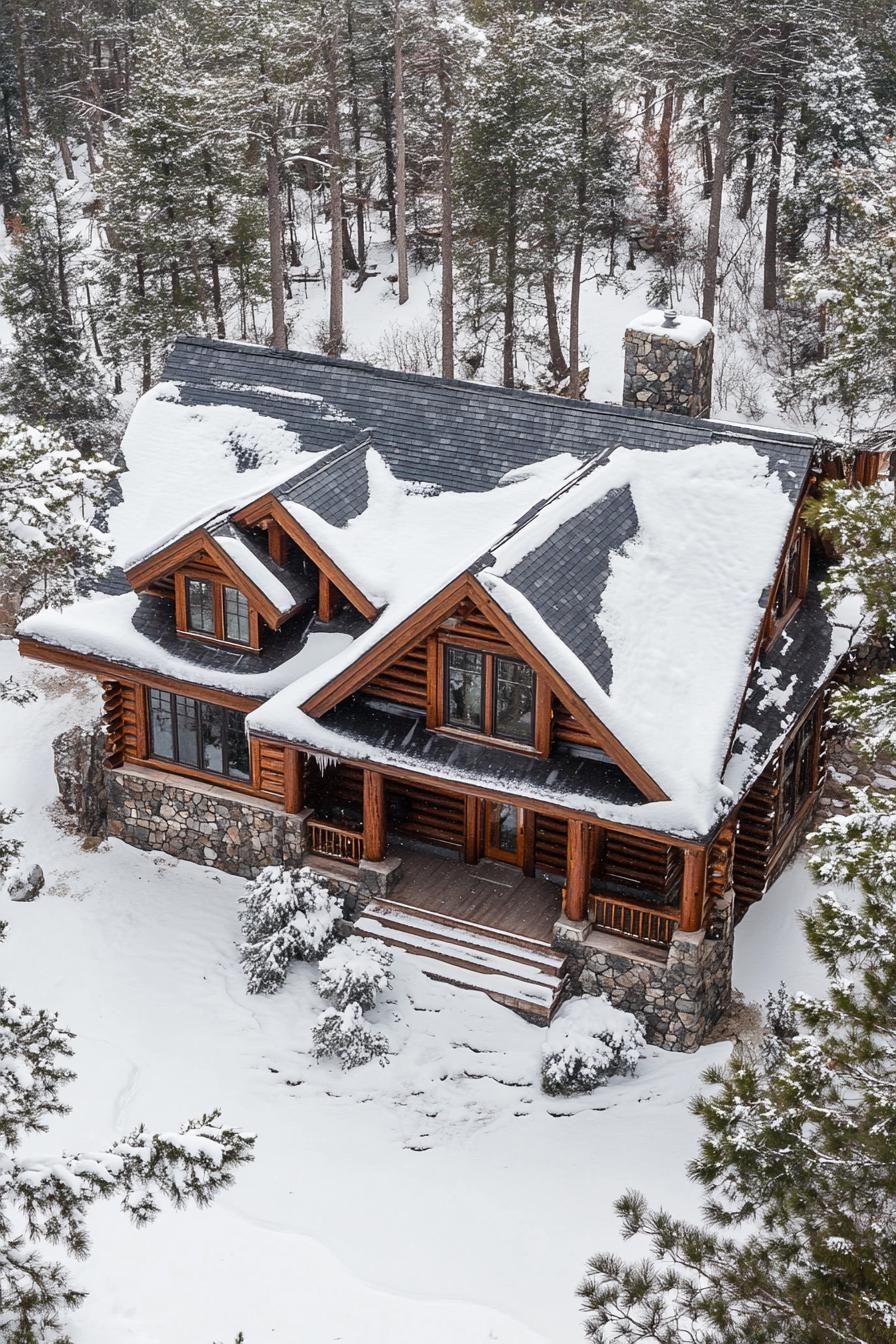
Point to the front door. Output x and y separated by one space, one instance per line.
503 833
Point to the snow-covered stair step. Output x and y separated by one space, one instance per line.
454 922
482 964
473 936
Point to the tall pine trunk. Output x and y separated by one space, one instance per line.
334 155
711 265
275 245
388 150
355 111
510 281
401 219
559 367
575 294
664 186
770 256
447 297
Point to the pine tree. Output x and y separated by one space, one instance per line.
286 915
47 493
46 1200
46 376
797 1158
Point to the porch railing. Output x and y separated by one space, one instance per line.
642 923
335 842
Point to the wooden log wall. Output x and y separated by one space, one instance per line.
268 769
637 862
567 729
405 682
550 844
424 813
756 835
124 736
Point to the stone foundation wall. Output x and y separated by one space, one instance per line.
679 1001
665 374
201 822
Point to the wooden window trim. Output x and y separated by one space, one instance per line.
782 833
190 771
437 711
219 583
777 624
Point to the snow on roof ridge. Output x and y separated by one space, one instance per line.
604 408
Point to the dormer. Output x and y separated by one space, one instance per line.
791 584
225 589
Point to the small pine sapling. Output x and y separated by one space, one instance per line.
589 1043
344 1034
285 916
356 971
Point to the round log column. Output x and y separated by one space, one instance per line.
578 870
374 816
293 782
693 890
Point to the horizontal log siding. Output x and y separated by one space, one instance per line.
567 728
756 835
120 713
634 862
405 681
469 623
427 814
550 844
268 769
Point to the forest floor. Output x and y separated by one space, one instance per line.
442 1197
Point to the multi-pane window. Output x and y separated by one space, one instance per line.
201 606
236 616
788 590
797 770
490 694
198 734
464 683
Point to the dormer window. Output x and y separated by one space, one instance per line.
201 606
490 694
208 608
236 616
792 583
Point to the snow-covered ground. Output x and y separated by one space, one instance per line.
442 1197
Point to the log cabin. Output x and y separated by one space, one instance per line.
538 686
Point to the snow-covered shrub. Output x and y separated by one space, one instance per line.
345 1034
286 915
589 1042
356 971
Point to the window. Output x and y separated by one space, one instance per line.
465 685
797 771
215 610
201 606
789 589
489 694
198 734
236 616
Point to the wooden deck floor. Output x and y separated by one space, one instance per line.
493 895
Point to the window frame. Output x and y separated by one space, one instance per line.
798 757
174 762
538 742
198 574
791 584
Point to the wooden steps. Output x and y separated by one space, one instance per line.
518 972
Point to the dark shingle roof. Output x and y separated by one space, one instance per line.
458 434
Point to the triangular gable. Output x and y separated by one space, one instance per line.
488 616
268 509
200 545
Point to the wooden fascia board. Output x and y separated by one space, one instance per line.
167 560
107 670
573 702
390 647
271 507
461 788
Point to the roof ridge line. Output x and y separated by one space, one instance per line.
535 510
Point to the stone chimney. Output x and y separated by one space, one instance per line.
668 363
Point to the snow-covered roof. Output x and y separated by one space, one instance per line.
275 583
634 550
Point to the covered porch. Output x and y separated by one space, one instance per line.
496 865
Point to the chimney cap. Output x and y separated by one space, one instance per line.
685 328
